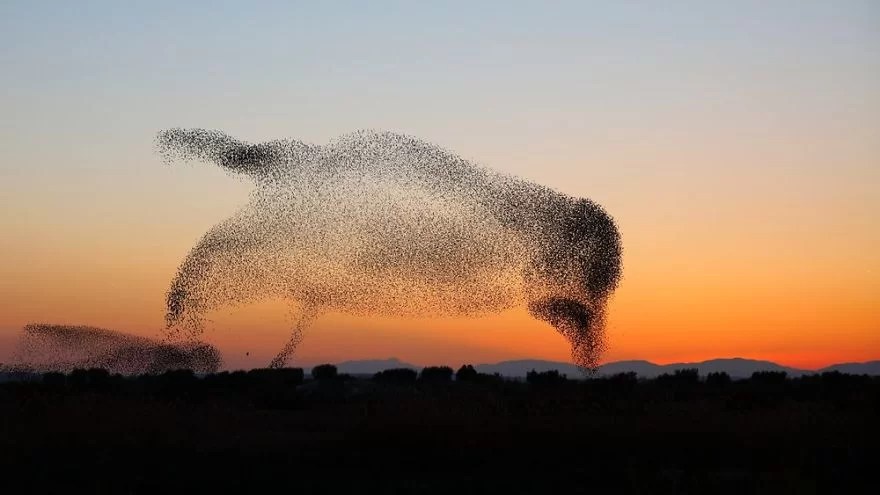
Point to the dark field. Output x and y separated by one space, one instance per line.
396 433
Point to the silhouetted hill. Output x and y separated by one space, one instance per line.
735 367
642 368
866 368
372 366
519 368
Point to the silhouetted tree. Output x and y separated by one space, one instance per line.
177 383
466 373
236 380
769 377
324 372
683 384
486 378
615 386
684 376
89 378
549 377
288 377
180 376
274 388
436 374
54 379
629 377
396 376
844 380
624 382
717 379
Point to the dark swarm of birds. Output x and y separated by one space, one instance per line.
371 224
64 348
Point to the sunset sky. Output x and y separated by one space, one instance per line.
736 144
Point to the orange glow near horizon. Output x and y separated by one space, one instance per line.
774 263
676 311
691 291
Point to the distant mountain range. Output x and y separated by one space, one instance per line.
867 368
735 367
372 366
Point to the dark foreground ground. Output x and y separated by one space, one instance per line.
259 432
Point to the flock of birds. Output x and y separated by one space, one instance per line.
372 223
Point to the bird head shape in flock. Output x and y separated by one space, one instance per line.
384 224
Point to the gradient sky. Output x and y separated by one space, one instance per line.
737 144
